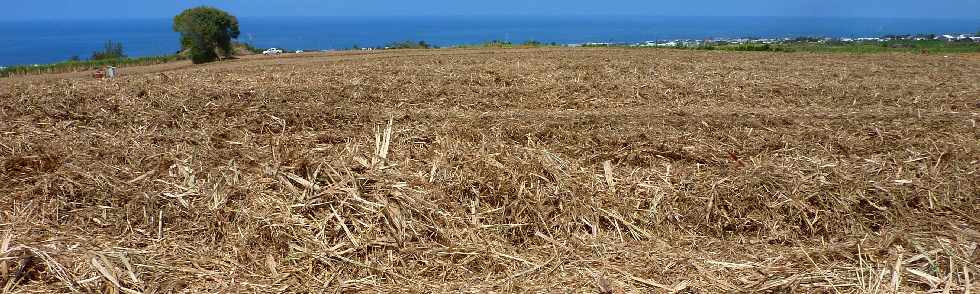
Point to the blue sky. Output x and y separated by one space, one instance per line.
86 9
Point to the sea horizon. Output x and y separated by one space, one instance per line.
49 41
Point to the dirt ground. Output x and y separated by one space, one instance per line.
497 170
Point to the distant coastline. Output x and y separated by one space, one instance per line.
44 42
923 44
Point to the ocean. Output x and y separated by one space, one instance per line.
35 42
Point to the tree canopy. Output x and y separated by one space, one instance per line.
206 31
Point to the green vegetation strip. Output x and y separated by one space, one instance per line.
924 46
70 66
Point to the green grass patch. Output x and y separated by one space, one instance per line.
746 47
908 46
508 44
81 65
923 46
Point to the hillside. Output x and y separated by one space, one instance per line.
504 170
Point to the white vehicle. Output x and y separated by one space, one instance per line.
272 51
300 51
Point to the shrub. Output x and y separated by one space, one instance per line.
112 50
497 43
249 47
408 45
532 43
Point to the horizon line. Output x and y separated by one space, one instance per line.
510 15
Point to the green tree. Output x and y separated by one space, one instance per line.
112 50
206 31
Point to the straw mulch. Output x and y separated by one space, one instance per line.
538 170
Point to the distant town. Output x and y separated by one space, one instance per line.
972 40
738 41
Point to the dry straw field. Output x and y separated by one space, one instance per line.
494 170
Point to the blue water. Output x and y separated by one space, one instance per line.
51 41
